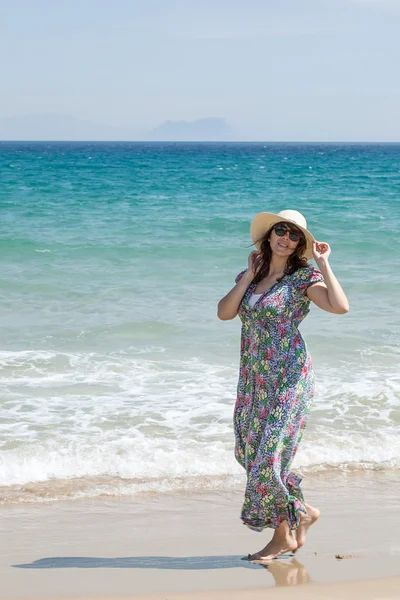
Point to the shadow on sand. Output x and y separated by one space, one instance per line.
285 571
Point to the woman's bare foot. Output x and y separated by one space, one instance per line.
305 522
282 542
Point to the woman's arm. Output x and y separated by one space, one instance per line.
229 305
329 295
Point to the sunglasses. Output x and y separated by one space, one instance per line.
280 230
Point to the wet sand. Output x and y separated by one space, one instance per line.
191 546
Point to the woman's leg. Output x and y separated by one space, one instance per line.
273 496
306 520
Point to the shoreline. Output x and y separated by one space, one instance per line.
114 488
193 544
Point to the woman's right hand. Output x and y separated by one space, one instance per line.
252 263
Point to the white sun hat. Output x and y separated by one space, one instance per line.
264 220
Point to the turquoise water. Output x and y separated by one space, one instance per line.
116 376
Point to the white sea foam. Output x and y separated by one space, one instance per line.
148 424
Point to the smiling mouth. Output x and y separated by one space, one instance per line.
283 245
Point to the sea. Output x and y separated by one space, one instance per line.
116 376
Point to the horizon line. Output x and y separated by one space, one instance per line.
239 141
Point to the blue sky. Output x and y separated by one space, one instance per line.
275 69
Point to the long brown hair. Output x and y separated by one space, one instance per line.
294 262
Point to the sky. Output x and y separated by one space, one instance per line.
278 70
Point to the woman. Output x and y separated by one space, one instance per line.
276 381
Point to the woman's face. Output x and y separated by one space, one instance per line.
280 239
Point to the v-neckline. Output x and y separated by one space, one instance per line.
254 285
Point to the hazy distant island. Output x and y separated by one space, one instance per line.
55 127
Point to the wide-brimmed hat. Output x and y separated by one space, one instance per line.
264 221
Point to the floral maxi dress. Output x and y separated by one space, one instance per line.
274 396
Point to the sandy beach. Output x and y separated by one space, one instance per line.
192 545
371 589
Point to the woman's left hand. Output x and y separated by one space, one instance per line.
321 250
